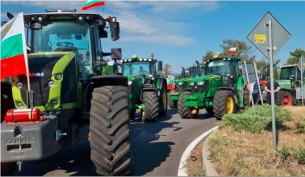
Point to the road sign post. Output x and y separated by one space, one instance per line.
269 36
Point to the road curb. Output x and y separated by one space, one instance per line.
187 152
207 164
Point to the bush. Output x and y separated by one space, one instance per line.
299 155
256 121
300 127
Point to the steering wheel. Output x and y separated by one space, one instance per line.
66 44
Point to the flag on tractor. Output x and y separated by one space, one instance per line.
93 3
232 51
170 82
14 60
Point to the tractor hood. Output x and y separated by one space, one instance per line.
207 77
284 84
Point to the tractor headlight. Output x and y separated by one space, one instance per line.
180 83
200 83
58 76
129 82
192 83
51 83
20 105
54 103
19 85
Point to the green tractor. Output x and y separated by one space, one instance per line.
74 94
183 84
221 91
290 83
147 90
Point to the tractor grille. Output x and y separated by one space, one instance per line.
199 88
40 68
181 87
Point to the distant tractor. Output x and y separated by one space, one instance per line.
182 84
290 83
221 91
74 95
147 90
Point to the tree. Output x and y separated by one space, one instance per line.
161 74
245 52
167 70
295 56
209 54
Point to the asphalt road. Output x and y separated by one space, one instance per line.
156 148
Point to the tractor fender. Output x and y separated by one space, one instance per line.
111 80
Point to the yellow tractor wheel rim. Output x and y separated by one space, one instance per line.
230 105
143 112
164 99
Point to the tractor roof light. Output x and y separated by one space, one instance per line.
149 59
135 56
80 18
145 59
125 60
33 18
129 59
40 19
140 59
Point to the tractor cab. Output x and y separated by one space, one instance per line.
226 67
66 30
142 68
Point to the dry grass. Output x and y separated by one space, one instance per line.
246 154
194 162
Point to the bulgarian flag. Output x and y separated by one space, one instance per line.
232 51
93 3
14 59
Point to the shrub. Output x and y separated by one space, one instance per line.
299 155
300 127
256 121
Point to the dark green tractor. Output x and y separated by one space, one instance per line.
74 91
290 83
147 90
183 84
221 91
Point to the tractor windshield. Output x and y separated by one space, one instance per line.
136 69
287 73
193 72
221 67
65 36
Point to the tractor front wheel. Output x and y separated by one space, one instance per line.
185 112
284 98
110 131
172 103
223 103
151 111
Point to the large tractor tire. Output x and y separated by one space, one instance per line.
223 103
185 112
151 111
110 131
163 101
172 104
246 98
284 98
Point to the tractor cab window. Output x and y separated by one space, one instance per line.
136 69
220 67
66 36
287 73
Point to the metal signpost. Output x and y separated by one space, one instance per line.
269 36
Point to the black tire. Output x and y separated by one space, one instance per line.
284 98
151 101
185 112
210 110
172 104
7 169
110 131
220 103
246 98
163 103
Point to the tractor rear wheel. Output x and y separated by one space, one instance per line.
284 98
172 103
223 103
110 131
163 101
151 111
185 112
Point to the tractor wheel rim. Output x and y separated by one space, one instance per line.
230 105
164 99
286 101
143 112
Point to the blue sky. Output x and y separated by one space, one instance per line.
180 32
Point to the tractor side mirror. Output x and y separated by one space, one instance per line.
115 30
183 73
159 65
35 26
